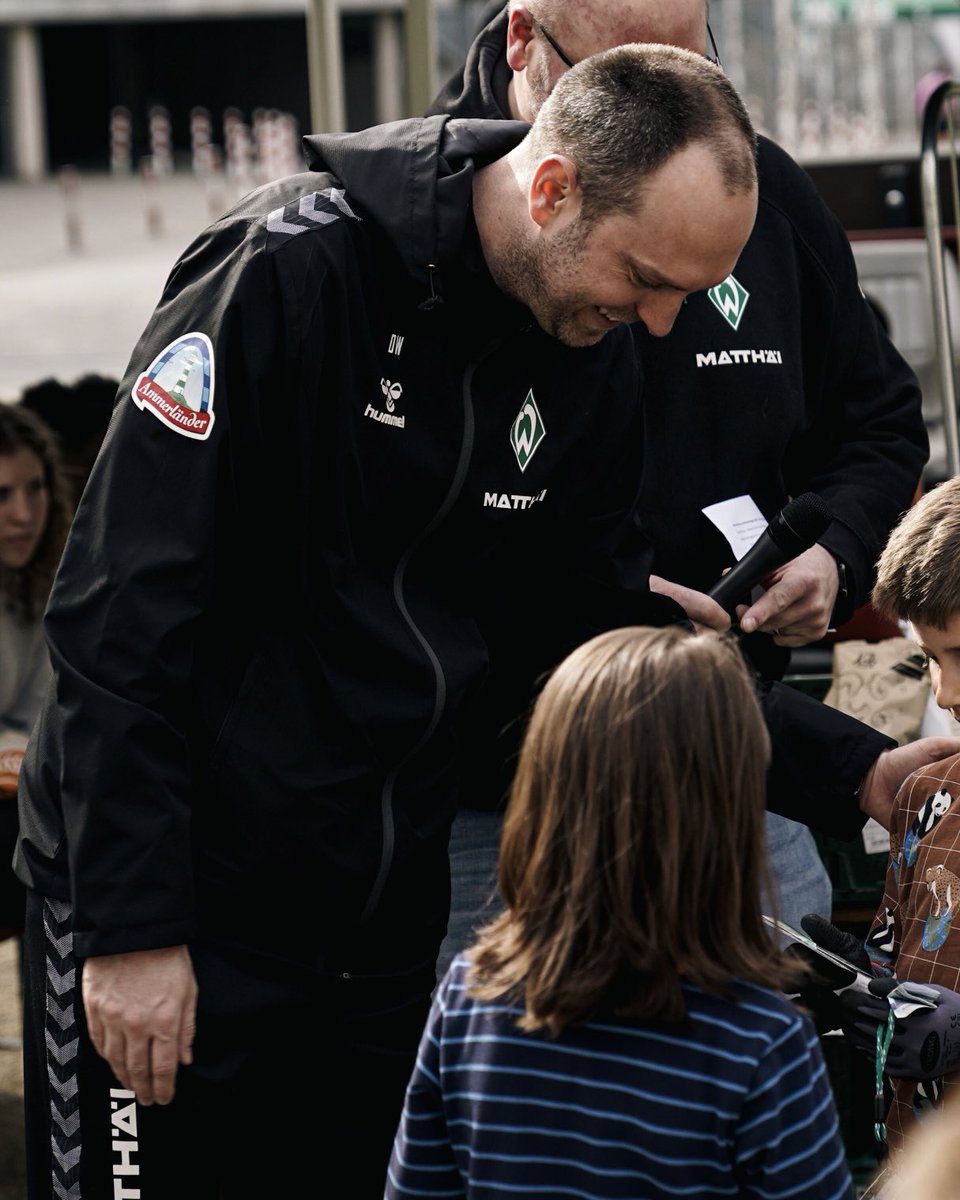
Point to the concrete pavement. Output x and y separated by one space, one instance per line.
80 275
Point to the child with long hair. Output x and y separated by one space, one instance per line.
616 1032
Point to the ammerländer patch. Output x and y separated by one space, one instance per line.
178 386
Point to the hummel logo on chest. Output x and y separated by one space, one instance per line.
385 418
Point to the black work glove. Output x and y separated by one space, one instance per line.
926 1036
837 941
819 991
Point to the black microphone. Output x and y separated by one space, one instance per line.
794 529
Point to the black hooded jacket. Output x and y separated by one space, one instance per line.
263 629
336 448
783 384
800 390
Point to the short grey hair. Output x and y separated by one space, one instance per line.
621 114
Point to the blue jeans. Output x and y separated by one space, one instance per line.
474 850
797 870
795 866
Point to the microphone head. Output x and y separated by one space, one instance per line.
799 523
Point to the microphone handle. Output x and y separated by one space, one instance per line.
763 557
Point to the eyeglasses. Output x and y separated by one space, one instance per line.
714 57
567 62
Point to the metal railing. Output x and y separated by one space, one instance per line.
941 125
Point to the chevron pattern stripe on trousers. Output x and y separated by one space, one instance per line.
62 1040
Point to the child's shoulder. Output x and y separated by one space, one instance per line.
944 770
750 1009
452 989
935 784
455 996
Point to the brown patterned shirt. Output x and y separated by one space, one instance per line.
913 934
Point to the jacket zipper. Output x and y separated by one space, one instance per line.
387 823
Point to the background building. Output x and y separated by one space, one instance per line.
837 76
66 64
824 77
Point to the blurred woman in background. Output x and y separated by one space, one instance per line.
34 518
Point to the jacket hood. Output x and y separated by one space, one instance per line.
481 88
415 178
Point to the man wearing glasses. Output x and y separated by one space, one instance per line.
777 382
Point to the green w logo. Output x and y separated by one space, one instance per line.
731 299
527 431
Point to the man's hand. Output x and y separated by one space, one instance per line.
141 1013
798 602
702 611
882 782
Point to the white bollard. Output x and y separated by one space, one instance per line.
243 161
272 158
69 180
214 184
161 145
291 155
259 119
200 141
152 209
121 150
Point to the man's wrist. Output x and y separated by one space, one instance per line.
870 805
841 605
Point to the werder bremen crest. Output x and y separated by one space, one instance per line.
730 298
527 432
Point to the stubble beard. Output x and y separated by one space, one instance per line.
532 272
539 83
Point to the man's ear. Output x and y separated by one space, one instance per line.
554 190
520 33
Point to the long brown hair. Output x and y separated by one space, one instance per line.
633 848
24 591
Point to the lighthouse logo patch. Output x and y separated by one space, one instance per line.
178 386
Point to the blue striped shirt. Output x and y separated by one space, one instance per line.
738 1104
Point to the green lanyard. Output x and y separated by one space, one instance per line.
884 1036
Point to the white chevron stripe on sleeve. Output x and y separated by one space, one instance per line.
276 224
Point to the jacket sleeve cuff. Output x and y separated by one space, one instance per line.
857 576
93 942
820 756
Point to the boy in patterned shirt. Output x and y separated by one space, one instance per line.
913 935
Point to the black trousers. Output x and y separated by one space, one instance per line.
295 1090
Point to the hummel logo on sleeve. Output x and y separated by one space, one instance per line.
310 212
